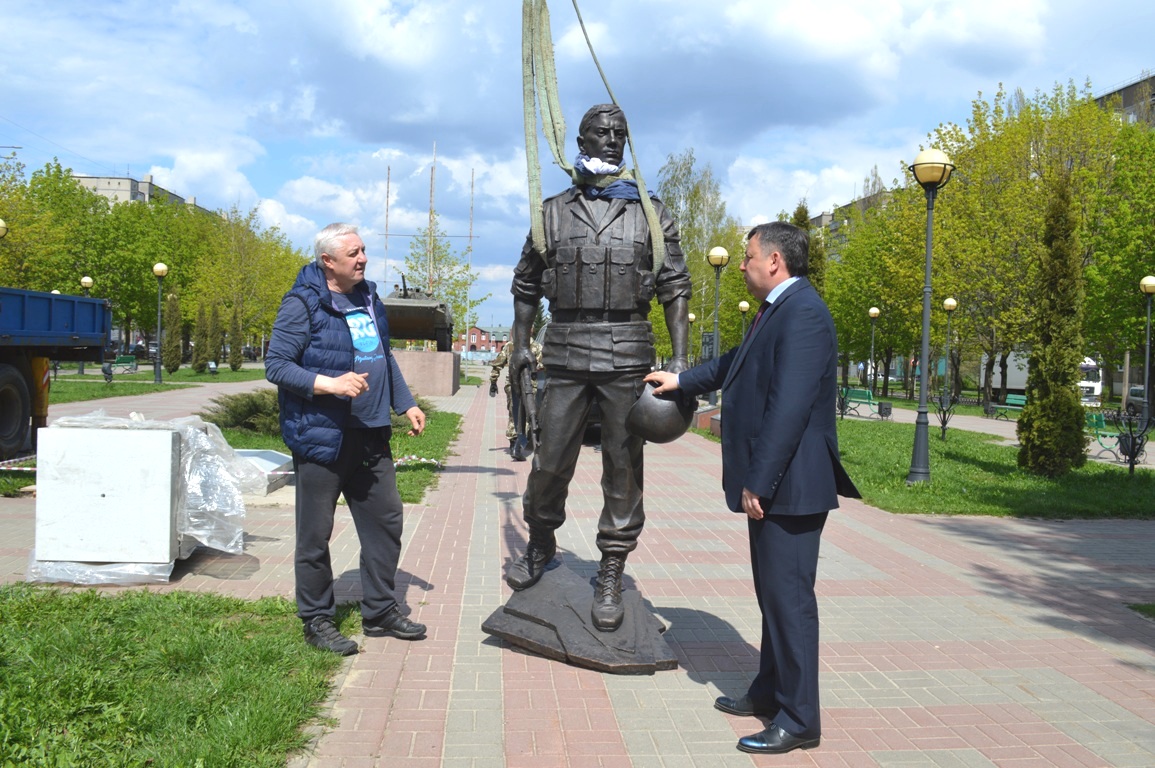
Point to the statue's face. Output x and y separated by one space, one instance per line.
604 138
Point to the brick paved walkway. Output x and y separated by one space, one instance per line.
945 641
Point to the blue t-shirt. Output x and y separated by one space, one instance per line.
371 408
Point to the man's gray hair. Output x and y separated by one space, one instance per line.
323 242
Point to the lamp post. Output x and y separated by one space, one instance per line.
691 318
932 169
874 312
743 307
718 257
85 283
3 229
1147 285
160 269
945 406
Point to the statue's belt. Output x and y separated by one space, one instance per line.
596 316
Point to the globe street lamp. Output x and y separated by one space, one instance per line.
874 312
932 169
85 283
1147 286
718 257
160 269
946 402
3 229
743 307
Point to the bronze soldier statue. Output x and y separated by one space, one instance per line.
598 275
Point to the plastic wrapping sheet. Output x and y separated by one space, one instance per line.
95 574
210 502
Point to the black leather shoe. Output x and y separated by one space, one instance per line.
394 625
775 741
743 707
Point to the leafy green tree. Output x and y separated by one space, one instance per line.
693 197
447 276
170 348
1050 429
1124 244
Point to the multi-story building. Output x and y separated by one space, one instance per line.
1136 99
122 189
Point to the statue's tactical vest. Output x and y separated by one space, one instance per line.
606 271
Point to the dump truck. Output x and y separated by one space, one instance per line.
35 329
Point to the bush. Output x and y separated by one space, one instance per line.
256 411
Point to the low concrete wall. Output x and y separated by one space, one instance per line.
433 374
703 416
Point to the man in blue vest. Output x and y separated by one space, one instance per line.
337 381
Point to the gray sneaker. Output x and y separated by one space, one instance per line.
322 633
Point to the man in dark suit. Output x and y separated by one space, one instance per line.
780 466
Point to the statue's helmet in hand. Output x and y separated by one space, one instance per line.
660 418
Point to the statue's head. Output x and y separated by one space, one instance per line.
602 133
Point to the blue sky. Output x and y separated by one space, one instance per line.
303 109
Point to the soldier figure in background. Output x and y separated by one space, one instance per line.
512 404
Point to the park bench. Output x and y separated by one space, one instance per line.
1013 403
124 364
1098 433
864 397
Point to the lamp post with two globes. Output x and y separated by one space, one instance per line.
743 307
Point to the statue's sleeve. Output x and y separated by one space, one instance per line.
527 274
673 279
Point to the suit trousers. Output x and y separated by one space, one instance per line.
568 396
784 559
364 473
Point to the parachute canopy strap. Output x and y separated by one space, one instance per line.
539 91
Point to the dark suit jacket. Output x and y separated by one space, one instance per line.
778 408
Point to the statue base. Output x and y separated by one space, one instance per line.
552 619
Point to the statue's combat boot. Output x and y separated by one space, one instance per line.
607 610
525 571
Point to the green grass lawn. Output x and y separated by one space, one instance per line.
975 474
73 390
148 679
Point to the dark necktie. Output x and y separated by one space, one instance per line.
757 317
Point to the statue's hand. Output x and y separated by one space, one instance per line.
493 389
677 365
521 358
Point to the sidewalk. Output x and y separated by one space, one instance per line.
945 641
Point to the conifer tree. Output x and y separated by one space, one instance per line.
1050 429
236 359
170 348
200 352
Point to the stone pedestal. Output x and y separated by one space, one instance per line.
552 618
433 374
